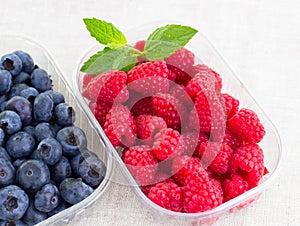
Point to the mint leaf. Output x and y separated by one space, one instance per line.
104 32
166 40
110 59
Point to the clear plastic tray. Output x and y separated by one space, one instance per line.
271 143
10 43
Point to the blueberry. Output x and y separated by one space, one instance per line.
12 223
43 107
13 203
2 136
5 82
41 80
23 77
61 170
44 130
3 98
7 172
32 216
20 144
18 162
10 121
72 139
16 89
4 154
32 175
74 190
47 198
56 96
27 61
2 106
92 171
79 158
30 130
29 94
62 206
12 63
64 114
22 106
49 150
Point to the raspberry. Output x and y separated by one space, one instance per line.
120 126
167 195
140 45
183 59
86 80
169 108
231 140
203 78
159 178
210 112
201 193
149 78
246 125
188 143
166 143
234 187
216 156
141 163
178 91
142 107
148 126
109 86
231 105
100 111
178 76
248 161
183 166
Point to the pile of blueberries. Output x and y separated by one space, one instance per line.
45 166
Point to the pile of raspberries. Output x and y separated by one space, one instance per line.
188 145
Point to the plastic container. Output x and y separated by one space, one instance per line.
206 53
10 43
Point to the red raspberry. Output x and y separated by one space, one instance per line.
109 86
86 80
234 187
141 163
248 161
210 111
246 126
183 59
188 144
231 105
216 156
201 193
167 195
183 166
149 78
140 46
178 76
169 108
159 178
148 126
203 78
178 91
120 126
166 143
231 140
100 111
139 105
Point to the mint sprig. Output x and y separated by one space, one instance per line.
118 55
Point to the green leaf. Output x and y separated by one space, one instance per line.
104 32
166 40
110 59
